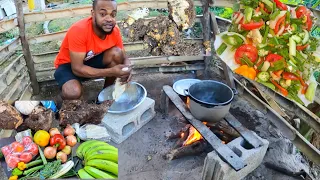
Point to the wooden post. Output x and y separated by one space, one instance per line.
25 47
206 35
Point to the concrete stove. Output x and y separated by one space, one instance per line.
122 126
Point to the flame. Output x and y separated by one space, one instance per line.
181 135
194 136
223 142
188 102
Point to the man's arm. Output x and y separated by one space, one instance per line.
82 70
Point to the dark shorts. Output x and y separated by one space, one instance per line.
64 72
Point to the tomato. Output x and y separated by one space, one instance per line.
12 161
280 22
302 10
302 47
280 5
25 157
26 140
17 147
252 25
273 57
246 50
6 150
33 149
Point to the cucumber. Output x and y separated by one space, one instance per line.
264 76
306 37
311 91
292 47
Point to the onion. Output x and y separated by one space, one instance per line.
54 131
67 150
50 152
71 140
68 130
62 156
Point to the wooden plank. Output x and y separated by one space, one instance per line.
9 48
206 29
25 47
6 25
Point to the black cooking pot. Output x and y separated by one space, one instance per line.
210 100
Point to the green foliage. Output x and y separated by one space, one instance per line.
222 12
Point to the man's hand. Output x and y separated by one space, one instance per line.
121 71
128 78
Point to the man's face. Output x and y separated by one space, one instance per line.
104 14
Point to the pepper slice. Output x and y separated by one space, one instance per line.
280 22
252 25
280 5
58 141
281 89
290 76
304 85
300 48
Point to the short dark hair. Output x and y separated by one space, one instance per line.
94 2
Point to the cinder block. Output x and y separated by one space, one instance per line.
122 126
216 169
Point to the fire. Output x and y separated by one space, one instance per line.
194 136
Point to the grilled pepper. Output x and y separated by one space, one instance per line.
58 141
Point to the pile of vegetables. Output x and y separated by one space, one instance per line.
58 142
270 42
50 164
100 160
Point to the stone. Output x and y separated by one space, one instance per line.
122 126
216 169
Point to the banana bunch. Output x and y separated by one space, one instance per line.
100 160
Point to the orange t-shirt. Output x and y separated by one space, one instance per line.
81 38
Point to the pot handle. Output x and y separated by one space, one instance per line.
186 92
235 91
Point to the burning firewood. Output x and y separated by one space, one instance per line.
78 111
10 117
40 119
180 133
195 148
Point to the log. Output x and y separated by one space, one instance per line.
193 149
228 130
206 36
40 119
181 140
176 135
25 47
10 118
78 111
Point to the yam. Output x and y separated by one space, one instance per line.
78 111
40 119
10 117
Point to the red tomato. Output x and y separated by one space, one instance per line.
252 25
26 140
33 149
25 157
12 161
280 5
246 50
273 57
17 147
302 10
6 150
